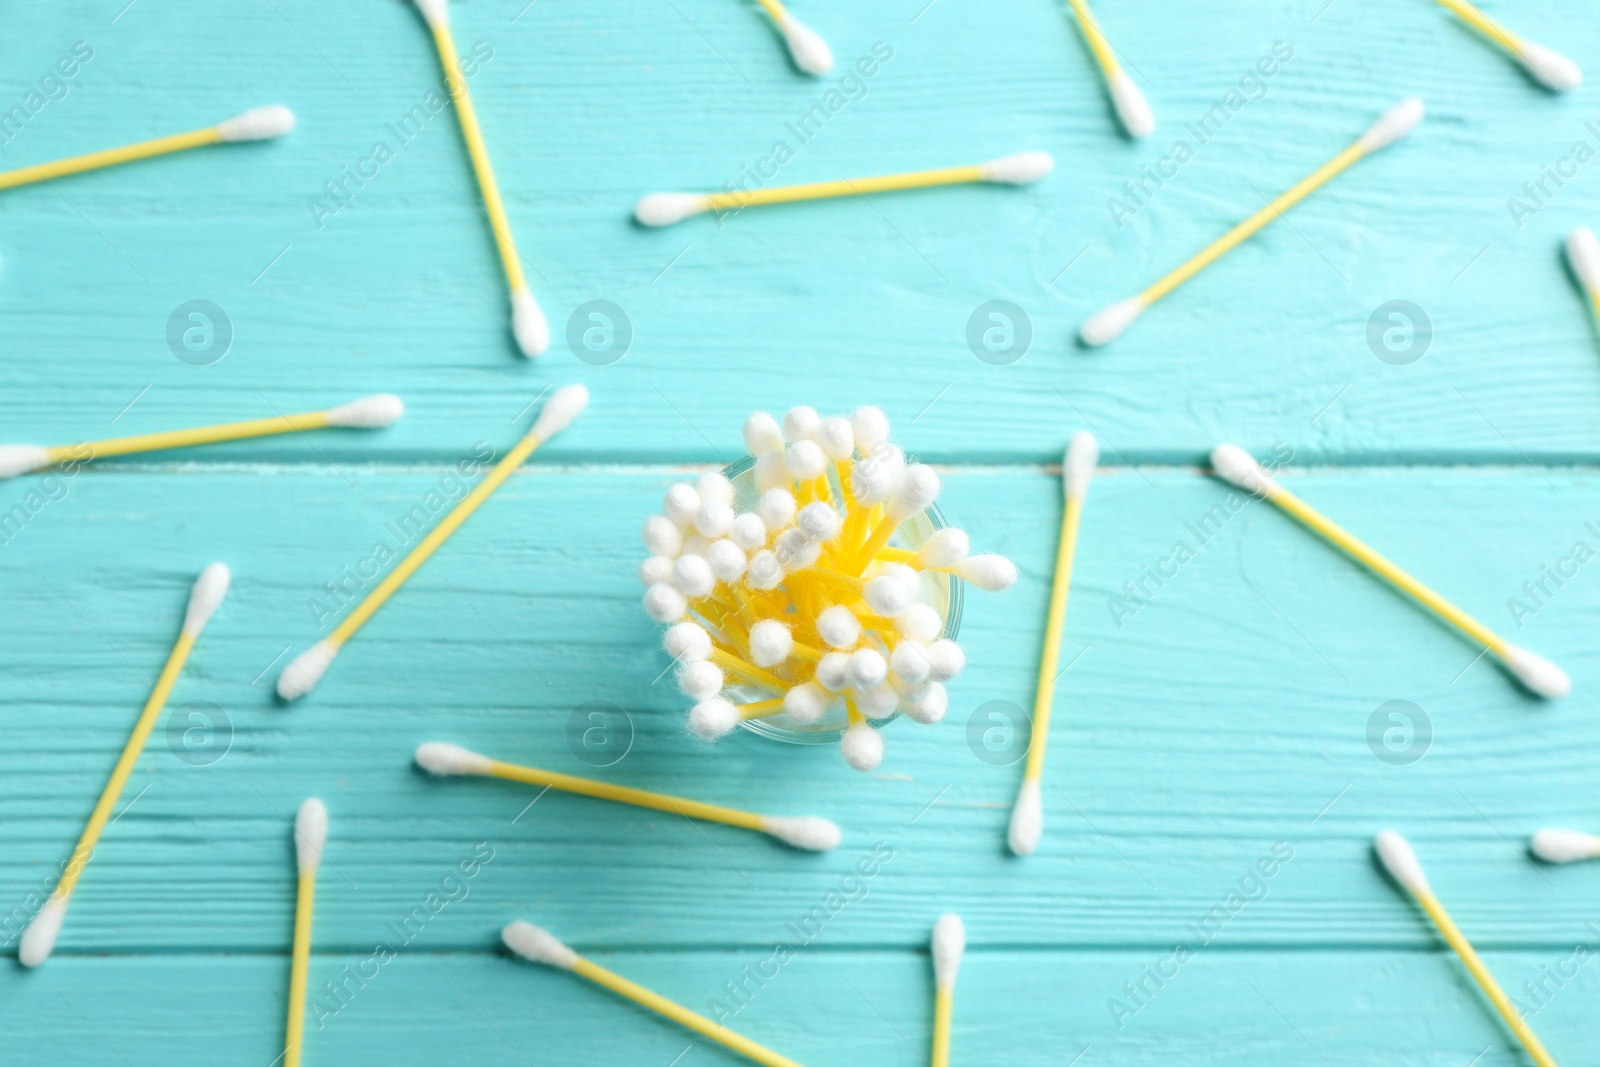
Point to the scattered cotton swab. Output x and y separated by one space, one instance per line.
306 670
370 412
257 124
540 946
809 51
1548 67
310 835
664 209
1538 674
1565 846
806 832
1106 325
1402 864
1583 253
1027 816
1132 110
39 939
949 943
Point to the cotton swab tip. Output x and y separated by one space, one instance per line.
257 124
927 704
862 747
368 413
949 944
988 572
19 459
1401 862
436 12
1027 819
1019 168
1107 324
664 603
803 831
712 719
1549 67
537 944
1077 467
443 758
806 703
664 209
1537 673
687 641
809 51
206 596
306 670
944 548
310 834
1133 110
559 411
1233 464
1392 125
1583 252
39 939
528 325
1565 846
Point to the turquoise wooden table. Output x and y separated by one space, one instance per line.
1231 714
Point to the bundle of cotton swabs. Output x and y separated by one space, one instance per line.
810 596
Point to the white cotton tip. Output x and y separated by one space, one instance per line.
762 434
1549 67
1133 110
1077 467
878 703
949 944
19 459
1583 252
806 704
765 570
1537 673
795 550
919 622
727 560
944 548
655 569
868 669
770 643
874 478
836 437
1021 168
1027 819
693 577
662 537
803 831
871 427
206 596
680 504
838 627
713 519
257 124
310 834
988 572
914 490
700 681
889 594
714 718
820 521
436 12
368 413
1401 862
529 327
833 671
39 939
1565 846
776 508
805 460
687 642
1107 324
559 411
749 532
443 758
663 209
909 662
862 747
1234 465
306 670
809 51
539 945
945 660
714 485
1392 125
772 471
800 423
665 603
926 703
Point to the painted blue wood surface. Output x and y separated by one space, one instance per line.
1230 713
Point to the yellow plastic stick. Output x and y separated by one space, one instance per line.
622 794
949 944
1098 44
785 194
748 671
942 1003
1484 25
200 435
310 834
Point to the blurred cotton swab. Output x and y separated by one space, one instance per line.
1583 254
369 412
1132 110
1565 846
257 124
1549 68
1401 863
664 209
528 323
804 832
540 946
310 834
1107 324
1077 470
1538 674
809 51
306 670
949 943
39 939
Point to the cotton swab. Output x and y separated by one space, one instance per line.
39 939
1107 324
307 669
528 323
1548 67
370 412
949 943
1401 863
1565 846
540 946
809 51
1132 109
310 834
803 832
1583 253
1538 674
664 209
1077 470
257 124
